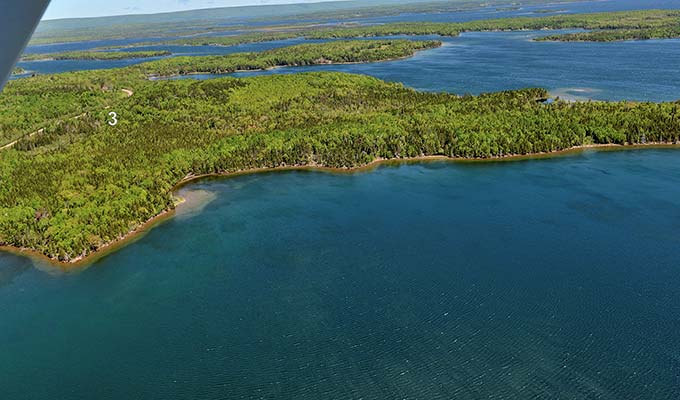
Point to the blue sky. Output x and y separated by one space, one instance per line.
96 8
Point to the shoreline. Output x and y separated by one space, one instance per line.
275 67
84 261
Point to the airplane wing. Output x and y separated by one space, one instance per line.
18 20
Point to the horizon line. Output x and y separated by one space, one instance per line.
292 3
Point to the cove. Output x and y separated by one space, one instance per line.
540 278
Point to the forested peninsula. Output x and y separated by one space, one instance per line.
358 51
26 107
614 35
72 183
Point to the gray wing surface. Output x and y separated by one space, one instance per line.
18 20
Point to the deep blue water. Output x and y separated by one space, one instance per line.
555 278
548 279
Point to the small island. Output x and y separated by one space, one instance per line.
95 55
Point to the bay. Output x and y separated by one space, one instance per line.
553 278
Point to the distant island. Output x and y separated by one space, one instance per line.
624 25
77 178
18 71
601 27
95 55
212 20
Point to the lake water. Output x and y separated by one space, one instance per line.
556 278
494 61
479 62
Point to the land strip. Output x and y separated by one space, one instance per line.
82 184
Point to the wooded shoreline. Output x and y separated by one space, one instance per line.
79 184
137 233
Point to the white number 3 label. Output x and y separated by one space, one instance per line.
114 118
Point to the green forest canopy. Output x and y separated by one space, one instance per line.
81 183
27 106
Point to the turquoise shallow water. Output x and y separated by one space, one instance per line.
555 278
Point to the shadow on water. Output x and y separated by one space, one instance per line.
12 266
